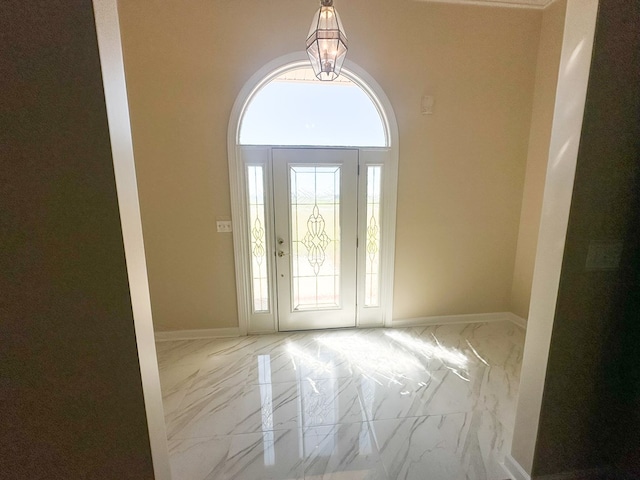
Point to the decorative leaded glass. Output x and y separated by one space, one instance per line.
372 269
259 273
315 236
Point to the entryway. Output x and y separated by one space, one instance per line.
313 169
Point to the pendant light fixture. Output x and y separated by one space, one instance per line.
327 42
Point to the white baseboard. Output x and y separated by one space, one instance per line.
263 332
450 319
408 322
514 470
521 322
196 334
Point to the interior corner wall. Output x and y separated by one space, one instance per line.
70 381
538 154
461 170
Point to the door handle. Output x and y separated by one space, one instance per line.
281 253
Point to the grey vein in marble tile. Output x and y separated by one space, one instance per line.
268 407
477 355
494 441
470 452
421 448
396 399
499 394
205 413
500 329
271 368
180 352
449 335
222 371
329 402
276 343
345 451
495 351
177 376
175 380
295 363
232 345
450 392
431 352
199 458
264 456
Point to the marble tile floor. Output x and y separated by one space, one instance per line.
433 403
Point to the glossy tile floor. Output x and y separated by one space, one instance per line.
422 403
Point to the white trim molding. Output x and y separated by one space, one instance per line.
514 469
451 319
172 335
115 94
521 322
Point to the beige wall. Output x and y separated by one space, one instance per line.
537 158
461 170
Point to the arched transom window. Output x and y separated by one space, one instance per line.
295 108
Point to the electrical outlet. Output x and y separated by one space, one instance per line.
224 226
604 256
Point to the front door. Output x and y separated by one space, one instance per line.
315 202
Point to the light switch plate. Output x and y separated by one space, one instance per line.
224 226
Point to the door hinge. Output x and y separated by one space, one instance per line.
358 169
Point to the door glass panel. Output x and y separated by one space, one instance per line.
257 234
372 270
315 236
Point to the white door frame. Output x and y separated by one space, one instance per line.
240 156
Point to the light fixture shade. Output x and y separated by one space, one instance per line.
327 42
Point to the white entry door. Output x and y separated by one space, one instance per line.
315 202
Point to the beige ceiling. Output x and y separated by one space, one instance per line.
498 3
